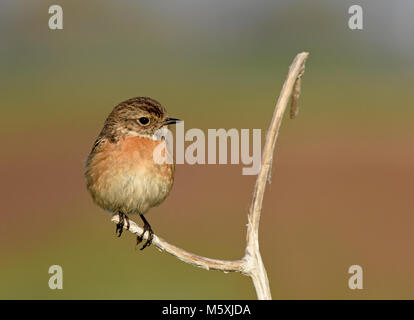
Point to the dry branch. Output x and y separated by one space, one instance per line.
251 264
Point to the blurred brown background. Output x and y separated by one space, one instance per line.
342 185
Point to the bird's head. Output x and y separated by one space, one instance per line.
139 116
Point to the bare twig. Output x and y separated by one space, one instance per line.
185 256
258 272
251 264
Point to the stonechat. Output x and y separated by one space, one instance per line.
121 173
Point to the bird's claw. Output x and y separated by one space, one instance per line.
120 225
147 228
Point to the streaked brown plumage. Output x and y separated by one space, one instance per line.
121 174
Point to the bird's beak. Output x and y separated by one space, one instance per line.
171 121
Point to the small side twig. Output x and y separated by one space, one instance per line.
251 264
294 108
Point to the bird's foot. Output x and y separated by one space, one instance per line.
120 225
147 227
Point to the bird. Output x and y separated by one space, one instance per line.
121 174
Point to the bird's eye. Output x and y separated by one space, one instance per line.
143 121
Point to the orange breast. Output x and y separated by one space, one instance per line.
124 175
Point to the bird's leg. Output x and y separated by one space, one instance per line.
147 227
120 225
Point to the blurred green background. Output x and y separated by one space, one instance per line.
342 187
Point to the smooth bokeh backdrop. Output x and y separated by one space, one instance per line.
342 183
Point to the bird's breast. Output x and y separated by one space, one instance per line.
124 176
